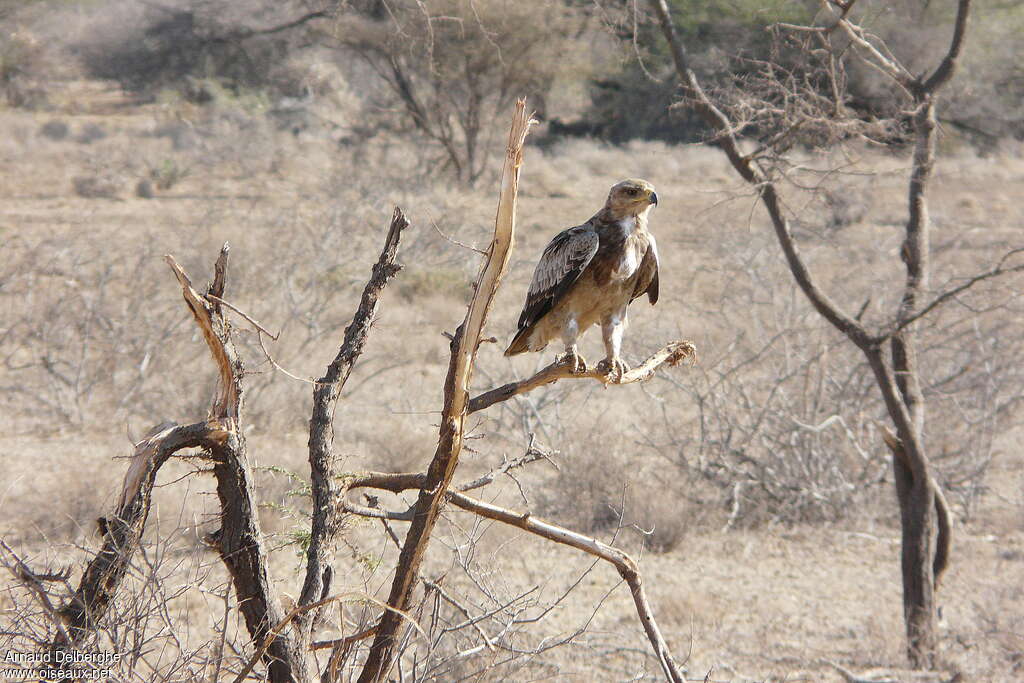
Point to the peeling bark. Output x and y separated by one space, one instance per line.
464 347
322 460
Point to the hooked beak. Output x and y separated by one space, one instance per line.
654 198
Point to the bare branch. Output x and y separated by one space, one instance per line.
203 312
896 71
672 354
240 540
532 454
248 318
294 23
456 397
454 241
960 289
743 165
123 528
34 582
322 461
347 640
470 620
625 565
945 69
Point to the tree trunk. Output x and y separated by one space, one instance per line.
917 520
921 504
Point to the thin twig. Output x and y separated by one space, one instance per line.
959 289
347 640
252 321
455 241
32 581
300 609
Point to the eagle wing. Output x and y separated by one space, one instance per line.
560 266
647 277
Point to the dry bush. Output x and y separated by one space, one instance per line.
453 66
981 101
55 130
104 186
168 173
69 349
197 47
23 61
175 621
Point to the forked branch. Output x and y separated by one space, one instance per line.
435 485
623 563
239 539
749 171
999 270
122 529
464 348
219 435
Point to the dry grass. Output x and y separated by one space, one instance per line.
793 582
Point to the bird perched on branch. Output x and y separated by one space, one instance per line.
590 274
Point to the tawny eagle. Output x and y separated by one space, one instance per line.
590 274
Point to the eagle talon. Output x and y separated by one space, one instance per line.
576 362
615 368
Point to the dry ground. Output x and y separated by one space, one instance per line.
760 601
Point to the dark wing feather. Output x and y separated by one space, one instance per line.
560 266
647 278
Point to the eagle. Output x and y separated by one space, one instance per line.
590 274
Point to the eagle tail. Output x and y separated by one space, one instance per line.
521 342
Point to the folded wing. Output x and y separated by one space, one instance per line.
647 275
560 266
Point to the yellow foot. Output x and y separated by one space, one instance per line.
575 361
615 368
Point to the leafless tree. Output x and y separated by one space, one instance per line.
890 349
283 640
454 66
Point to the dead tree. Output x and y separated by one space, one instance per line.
890 350
435 485
239 540
283 642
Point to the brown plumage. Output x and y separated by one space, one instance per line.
590 274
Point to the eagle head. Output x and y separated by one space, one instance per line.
631 197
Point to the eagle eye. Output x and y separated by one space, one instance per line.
632 191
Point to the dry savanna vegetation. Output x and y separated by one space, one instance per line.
295 473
